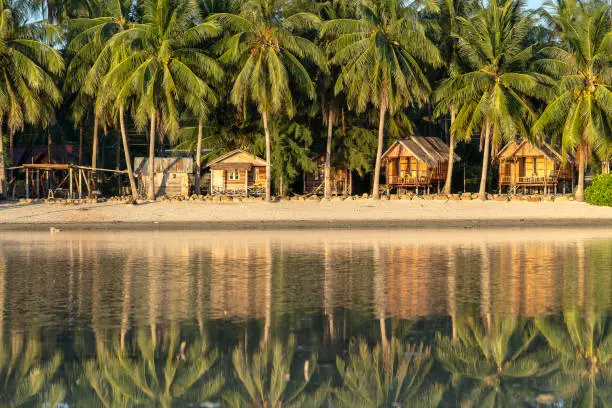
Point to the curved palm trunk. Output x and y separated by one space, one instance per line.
268 154
451 156
126 151
381 135
198 158
151 189
579 194
330 132
482 193
2 169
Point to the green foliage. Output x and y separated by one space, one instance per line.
600 191
290 152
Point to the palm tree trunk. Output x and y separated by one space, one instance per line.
330 132
199 157
81 143
126 151
94 148
2 169
482 194
268 167
451 155
579 195
381 135
151 192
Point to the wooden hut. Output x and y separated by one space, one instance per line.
525 165
172 175
416 162
341 179
237 173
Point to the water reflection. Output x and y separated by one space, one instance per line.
306 318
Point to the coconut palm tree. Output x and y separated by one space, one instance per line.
28 91
580 114
163 65
583 344
265 380
495 95
270 53
382 57
450 10
494 365
398 377
94 52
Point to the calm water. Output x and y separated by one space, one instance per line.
462 318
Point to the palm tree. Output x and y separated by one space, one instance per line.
398 377
331 104
580 114
265 380
94 52
584 347
495 95
449 11
28 93
493 364
164 64
381 55
269 51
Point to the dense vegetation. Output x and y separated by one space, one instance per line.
600 192
289 78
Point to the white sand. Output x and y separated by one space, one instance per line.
358 213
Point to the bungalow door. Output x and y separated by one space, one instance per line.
218 180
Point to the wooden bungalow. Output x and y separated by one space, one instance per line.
172 175
416 162
341 179
525 165
237 173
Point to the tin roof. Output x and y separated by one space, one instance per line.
249 158
163 165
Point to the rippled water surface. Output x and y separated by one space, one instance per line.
368 318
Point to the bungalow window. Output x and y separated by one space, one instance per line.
234 175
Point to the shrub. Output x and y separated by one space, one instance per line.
600 191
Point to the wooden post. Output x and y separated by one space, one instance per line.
78 185
545 175
246 182
70 181
417 176
27 183
212 172
37 183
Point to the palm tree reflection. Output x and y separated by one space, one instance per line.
266 379
160 370
25 379
494 363
583 345
392 378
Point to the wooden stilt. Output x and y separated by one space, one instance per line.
80 185
27 183
70 184
37 183
246 182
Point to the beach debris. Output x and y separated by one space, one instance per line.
53 230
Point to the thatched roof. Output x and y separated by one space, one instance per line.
238 158
525 148
431 150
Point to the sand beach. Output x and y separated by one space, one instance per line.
361 213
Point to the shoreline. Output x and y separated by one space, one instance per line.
354 214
